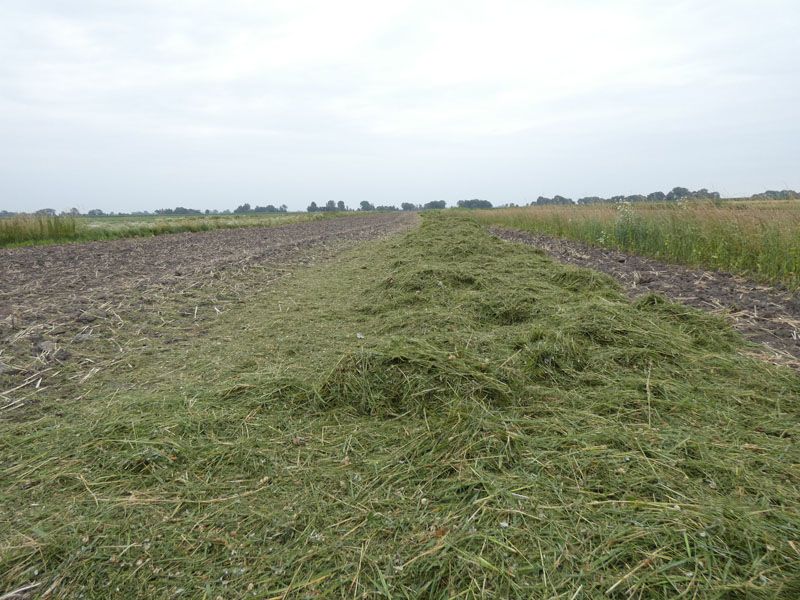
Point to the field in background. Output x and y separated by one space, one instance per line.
43 229
757 239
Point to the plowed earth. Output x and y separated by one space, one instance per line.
70 311
766 315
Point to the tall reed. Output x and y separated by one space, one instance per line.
41 229
37 228
757 239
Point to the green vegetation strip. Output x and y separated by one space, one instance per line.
438 415
28 230
757 239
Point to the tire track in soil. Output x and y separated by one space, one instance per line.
768 315
69 311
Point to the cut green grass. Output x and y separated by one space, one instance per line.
438 415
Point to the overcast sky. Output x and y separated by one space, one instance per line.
142 104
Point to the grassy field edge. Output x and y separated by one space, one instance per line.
38 230
760 240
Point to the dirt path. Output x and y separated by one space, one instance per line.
69 311
764 314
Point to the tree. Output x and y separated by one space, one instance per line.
95 212
340 205
408 206
777 195
330 206
244 208
474 203
704 194
542 200
656 197
366 206
435 204
312 207
678 193
50 212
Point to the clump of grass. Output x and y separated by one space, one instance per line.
409 376
390 425
758 239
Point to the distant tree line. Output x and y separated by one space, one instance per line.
178 210
674 195
330 206
474 203
432 205
244 209
677 193
777 195
365 206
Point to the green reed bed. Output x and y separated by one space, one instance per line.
25 230
757 239
29 229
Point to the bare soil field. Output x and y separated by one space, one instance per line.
769 315
67 311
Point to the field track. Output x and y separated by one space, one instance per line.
765 314
57 302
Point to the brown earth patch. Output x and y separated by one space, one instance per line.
768 315
70 311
